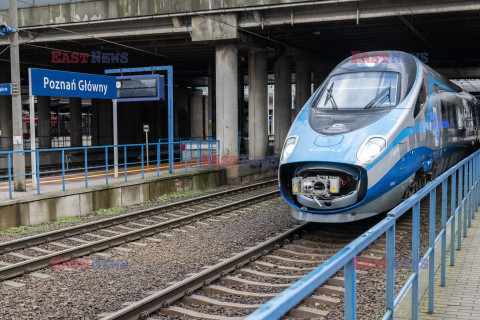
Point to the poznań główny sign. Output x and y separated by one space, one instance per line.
71 84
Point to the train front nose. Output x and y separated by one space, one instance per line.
322 186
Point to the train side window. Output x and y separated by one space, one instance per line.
444 115
422 97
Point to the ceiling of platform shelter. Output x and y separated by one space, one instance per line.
445 40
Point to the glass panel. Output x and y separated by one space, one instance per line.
360 90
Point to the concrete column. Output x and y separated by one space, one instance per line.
75 122
283 101
257 103
226 78
320 72
105 122
196 113
303 78
44 125
94 125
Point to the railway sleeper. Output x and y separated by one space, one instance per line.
190 314
309 313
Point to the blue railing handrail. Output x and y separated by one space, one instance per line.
99 147
203 157
289 298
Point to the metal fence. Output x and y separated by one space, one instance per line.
463 196
58 168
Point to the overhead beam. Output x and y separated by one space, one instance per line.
316 15
295 13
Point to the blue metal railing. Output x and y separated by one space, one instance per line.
137 157
464 182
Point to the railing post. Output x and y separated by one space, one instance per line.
460 195
86 168
186 152
465 193
125 161
431 243
199 153
390 281
470 193
477 159
63 168
453 197
158 158
37 168
415 257
350 301
444 228
9 165
106 165
142 164
209 153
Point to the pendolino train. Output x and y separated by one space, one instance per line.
376 131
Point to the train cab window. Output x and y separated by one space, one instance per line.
422 97
360 90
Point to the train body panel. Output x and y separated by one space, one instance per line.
342 163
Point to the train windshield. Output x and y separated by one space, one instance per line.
360 90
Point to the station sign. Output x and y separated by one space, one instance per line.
5 89
148 87
45 82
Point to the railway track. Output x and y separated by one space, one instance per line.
35 252
235 287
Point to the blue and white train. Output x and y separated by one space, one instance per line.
376 131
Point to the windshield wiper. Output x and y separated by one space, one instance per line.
330 97
375 99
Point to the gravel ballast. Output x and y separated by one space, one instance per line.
84 294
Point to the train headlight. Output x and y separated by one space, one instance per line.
288 147
371 149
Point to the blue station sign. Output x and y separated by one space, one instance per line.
45 82
5 89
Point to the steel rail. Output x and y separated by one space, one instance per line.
164 298
108 222
99 245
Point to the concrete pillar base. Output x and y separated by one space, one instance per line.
226 77
283 101
303 78
257 104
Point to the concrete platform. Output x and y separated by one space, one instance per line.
29 208
460 298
